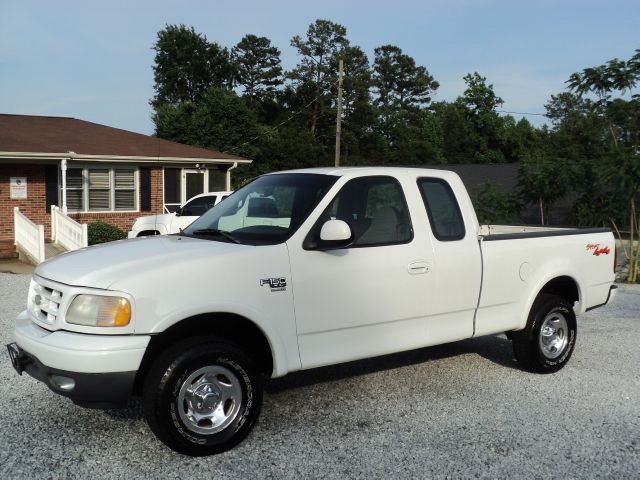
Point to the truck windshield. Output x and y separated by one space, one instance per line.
264 212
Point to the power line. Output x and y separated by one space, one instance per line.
522 113
275 127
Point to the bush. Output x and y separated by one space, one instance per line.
100 232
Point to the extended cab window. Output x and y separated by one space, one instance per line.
442 208
375 210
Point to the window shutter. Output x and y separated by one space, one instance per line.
145 189
51 186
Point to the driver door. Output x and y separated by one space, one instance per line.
371 297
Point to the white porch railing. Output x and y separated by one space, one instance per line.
66 232
29 236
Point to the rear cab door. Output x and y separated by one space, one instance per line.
451 229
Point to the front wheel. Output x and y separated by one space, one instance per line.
548 340
202 396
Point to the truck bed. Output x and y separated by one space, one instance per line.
506 232
518 261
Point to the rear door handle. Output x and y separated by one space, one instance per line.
418 267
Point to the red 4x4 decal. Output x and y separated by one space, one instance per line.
597 251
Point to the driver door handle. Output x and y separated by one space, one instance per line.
418 267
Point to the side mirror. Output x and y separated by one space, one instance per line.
335 231
333 234
178 211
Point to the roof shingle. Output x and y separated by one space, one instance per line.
40 134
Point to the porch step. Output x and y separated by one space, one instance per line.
51 250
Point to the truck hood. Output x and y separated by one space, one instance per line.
101 266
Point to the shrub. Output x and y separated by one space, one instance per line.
101 232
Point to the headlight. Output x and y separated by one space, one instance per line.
99 311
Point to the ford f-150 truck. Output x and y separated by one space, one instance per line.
334 265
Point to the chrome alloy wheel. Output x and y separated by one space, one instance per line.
209 399
554 335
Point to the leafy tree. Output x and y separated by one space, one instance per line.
186 65
220 121
542 180
324 39
480 103
399 82
621 118
494 207
358 114
457 132
258 67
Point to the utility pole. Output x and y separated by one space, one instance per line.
339 114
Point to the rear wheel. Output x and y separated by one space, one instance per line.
548 340
202 396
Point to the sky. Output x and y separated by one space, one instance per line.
93 60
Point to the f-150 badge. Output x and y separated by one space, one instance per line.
276 284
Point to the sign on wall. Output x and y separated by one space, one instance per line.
18 187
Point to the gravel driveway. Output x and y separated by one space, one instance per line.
460 410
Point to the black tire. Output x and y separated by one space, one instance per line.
169 377
531 351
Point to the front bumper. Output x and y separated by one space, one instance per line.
93 390
92 370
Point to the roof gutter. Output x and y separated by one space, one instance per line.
228 179
117 158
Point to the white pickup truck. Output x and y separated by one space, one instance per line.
345 264
173 222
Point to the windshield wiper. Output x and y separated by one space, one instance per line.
215 231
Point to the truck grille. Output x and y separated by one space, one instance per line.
44 302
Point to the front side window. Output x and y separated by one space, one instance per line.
374 208
442 208
101 189
198 206
264 212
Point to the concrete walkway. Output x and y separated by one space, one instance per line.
21 267
16 266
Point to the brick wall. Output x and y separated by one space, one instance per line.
34 206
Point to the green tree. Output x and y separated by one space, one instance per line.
187 65
358 114
323 41
494 207
457 132
480 103
399 82
258 67
621 119
542 180
220 121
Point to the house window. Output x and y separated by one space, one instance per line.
101 189
124 189
218 179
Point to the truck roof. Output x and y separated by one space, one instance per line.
349 171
